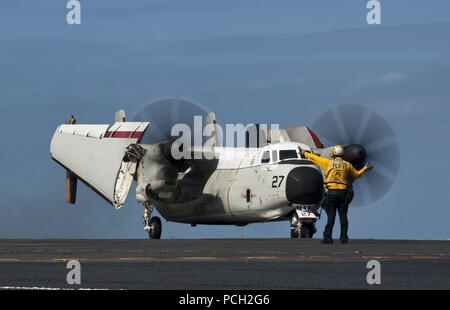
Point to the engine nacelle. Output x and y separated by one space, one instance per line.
141 193
159 189
157 176
155 190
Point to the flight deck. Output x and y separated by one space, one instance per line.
235 264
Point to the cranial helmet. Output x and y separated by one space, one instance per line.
338 151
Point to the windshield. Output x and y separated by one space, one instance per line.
285 154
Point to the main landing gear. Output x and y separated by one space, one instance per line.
151 225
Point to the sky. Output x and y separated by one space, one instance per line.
248 61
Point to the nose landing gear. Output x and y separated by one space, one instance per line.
307 230
303 230
303 223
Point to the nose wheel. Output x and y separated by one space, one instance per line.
299 228
303 230
307 230
294 233
152 225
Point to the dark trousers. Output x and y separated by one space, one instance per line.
339 203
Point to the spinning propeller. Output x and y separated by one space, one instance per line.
164 114
366 137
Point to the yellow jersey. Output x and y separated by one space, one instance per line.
339 174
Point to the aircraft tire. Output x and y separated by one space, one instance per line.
156 228
306 231
294 233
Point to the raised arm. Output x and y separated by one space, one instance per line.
358 173
319 161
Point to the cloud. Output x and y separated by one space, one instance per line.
377 82
394 76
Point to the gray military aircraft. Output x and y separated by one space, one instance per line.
258 182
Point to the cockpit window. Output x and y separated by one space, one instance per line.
285 154
265 157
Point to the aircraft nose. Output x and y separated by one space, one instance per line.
304 185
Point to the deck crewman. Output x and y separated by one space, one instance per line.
339 177
72 120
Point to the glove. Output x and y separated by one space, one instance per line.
301 151
367 167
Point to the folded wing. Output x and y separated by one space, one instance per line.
95 154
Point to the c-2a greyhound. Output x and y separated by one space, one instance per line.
216 185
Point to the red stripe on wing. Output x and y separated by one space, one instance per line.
125 134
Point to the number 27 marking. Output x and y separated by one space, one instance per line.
275 180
